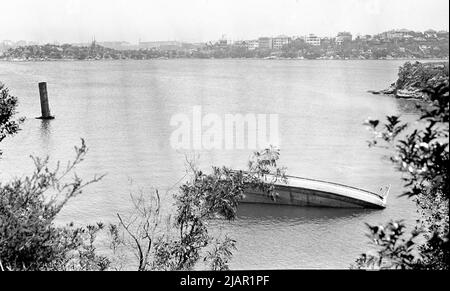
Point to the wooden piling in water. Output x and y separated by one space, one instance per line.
45 109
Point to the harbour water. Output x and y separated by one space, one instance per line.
123 110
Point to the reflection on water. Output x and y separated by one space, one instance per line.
45 136
292 214
407 106
46 129
296 237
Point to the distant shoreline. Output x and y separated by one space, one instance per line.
262 59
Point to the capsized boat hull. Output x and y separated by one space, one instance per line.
315 193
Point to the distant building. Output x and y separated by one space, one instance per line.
327 41
252 44
279 41
265 43
312 39
240 44
343 37
364 37
396 34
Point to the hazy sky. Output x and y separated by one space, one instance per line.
202 20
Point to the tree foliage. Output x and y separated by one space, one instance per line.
8 108
422 155
29 237
186 240
393 250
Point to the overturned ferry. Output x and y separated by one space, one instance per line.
306 192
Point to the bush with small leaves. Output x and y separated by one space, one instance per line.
8 108
422 155
205 196
29 238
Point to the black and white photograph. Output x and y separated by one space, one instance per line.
224 135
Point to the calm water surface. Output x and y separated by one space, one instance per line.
123 110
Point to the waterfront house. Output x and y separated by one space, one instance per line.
279 41
312 39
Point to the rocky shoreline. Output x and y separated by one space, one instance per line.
414 77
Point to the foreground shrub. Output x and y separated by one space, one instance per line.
423 157
8 107
29 238
184 240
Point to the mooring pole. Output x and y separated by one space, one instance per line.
45 109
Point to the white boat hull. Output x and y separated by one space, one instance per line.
314 193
